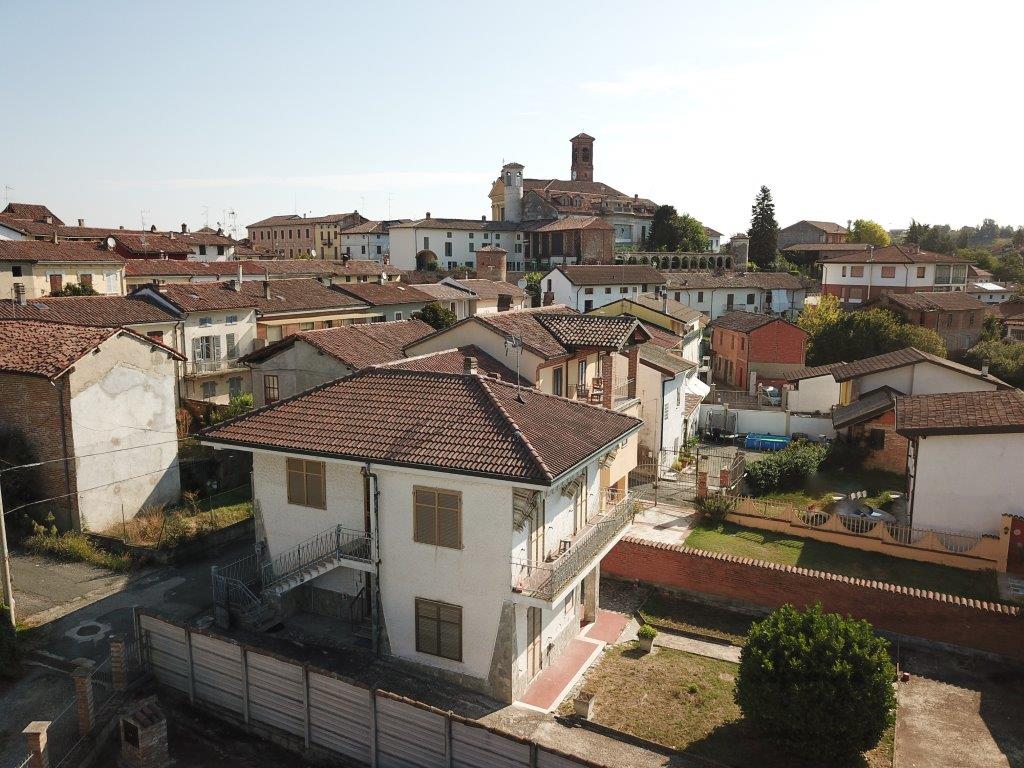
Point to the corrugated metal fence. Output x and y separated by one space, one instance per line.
323 711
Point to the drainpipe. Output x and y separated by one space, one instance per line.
372 499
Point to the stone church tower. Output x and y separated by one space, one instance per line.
582 157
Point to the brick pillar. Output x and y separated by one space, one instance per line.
35 739
118 662
723 477
606 379
83 697
702 484
591 594
634 355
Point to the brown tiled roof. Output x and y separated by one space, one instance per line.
30 212
492 289
445 291
825 226
391 416
866 407
292 219
100 311
661 337
670 307
705 280
894 254
372 227
956 413
152 242
381 294
49 349
811 372
357 346
460 224
64 251
296 295
524 324
901 357
745 322
661 359
276 268
612 274
570 222
936 301
1008 309
575 330
453 361
826 247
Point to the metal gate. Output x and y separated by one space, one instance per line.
670 478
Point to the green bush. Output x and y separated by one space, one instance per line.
10 663
817 683
646 632
716 506
786 469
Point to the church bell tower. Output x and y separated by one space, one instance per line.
582 157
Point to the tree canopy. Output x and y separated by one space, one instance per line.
76 289
436 316
673 232
869 232
837 336
1005 359
764 230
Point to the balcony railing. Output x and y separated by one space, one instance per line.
545 580
337 542
203 367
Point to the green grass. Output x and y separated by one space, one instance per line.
75 547
159 527
826 481
675 613
734 539
686 702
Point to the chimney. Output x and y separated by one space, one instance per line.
220 231
469 365
483 218
325 280
81 222
636 198
849 224
428 214
152 227
238 280
184 228
158 285
19 294
984 368
266 289
48 219
664 300
383 278
55 238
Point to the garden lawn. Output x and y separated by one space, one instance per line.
679 614
734 539
686 702
877 483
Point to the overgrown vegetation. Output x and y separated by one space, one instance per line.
1005 360
436 316
75 547
716 506
673 232
159 527
816 683
76 289
237 405
838 336
788 468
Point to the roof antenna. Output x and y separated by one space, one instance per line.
516 342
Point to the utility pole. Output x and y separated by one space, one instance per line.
5 565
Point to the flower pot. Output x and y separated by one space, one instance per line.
646 644
583 705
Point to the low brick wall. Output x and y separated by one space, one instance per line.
989 627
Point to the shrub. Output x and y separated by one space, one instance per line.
788 468
818 683
436 316
716 506
75 547
646 632
9 661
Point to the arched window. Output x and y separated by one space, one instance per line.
675 262
508 177
654 262
586 154
728 262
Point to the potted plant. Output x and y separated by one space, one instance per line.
646 635
583 705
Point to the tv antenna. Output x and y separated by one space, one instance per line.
390 195
206 216
7 194
514 342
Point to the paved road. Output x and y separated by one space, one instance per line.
75 608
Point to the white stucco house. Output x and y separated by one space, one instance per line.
964 457
670 394
97 405
591 286
715 293
470 534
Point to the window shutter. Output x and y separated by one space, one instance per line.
424 518
196 349
232 350
216 347
524 504
449 532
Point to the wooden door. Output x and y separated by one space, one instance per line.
534 660
580 506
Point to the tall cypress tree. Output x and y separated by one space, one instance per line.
764 230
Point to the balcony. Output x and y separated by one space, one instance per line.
207 367
546 580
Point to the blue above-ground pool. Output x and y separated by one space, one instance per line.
758 442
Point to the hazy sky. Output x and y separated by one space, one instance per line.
883 110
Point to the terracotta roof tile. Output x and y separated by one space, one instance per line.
745 322
894 254
381 294
285 296
391 416
64 251
936 301
612 274
811 372
956 413
152 242
492 289
867 406
670 307
901 357
660 358
661 337
763 280
31 212
593 330
453 361
445 291
100 311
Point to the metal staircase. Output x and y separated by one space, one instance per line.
252 589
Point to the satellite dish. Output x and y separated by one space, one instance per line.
110 243
312 252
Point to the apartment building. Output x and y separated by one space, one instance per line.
588 287
715 293
858 277
41 267
957 317
76 393
293 235
749 349
140 272
369 240
391 300
451 244
812 233
682 326
470 536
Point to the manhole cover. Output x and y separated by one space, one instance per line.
90 631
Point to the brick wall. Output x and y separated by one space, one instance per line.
778 342
32 405
943 618
893 455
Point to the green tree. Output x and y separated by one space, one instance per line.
939 239
1018 238
870 232
692 235
764 230
915 232
815 318
663 235
1010 268
237 405
856 335
817 683
76 289
436 316
1005 359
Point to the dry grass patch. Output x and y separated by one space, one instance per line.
161 527
686 702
